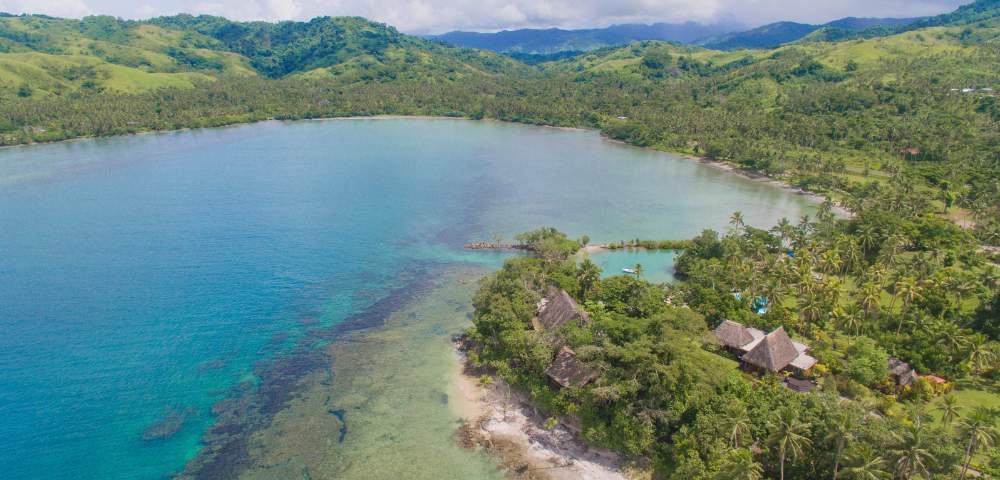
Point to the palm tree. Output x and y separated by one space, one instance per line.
980 429
638 269
853 254
788 435
948 335
961 285
785 230
909 290
866 466
740 429
588 276
849 320
810 307
740 465
868 237
825 212
830 261
841 432
736 219
949 409
981 356
878 274
893 247
870 299
912 454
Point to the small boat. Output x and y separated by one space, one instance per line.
630 271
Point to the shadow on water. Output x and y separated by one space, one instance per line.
249 408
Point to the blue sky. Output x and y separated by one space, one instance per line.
434 16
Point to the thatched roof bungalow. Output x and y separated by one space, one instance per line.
558 308
732 335
773 353
901 372
568 371
738 338
776 352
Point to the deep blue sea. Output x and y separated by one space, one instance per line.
142 278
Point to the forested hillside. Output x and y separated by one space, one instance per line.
41 56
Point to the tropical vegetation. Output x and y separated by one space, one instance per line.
897 126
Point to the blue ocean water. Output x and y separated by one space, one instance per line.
142 278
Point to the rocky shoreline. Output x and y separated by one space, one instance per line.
504 424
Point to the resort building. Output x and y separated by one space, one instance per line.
902 373
568 371
556 309
772 352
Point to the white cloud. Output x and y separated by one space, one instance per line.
55 8
423 16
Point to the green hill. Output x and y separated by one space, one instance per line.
42 55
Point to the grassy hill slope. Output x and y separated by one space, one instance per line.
46 56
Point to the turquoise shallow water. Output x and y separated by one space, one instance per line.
149 274
657 265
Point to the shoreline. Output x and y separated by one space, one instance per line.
502 423
593 249
838 210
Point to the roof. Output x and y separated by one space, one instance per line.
774 352
934 378
757 335
558 309
799 385
898 367
907 378
803 362
567 370
732 334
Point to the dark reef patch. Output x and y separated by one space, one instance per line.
168 424
340 414
246 409
213 364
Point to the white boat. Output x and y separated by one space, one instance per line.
629 271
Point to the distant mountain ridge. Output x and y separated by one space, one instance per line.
776 34
720 36
555 40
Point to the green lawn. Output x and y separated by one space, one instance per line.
971 394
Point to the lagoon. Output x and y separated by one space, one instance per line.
155 287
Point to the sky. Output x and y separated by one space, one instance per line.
437 16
